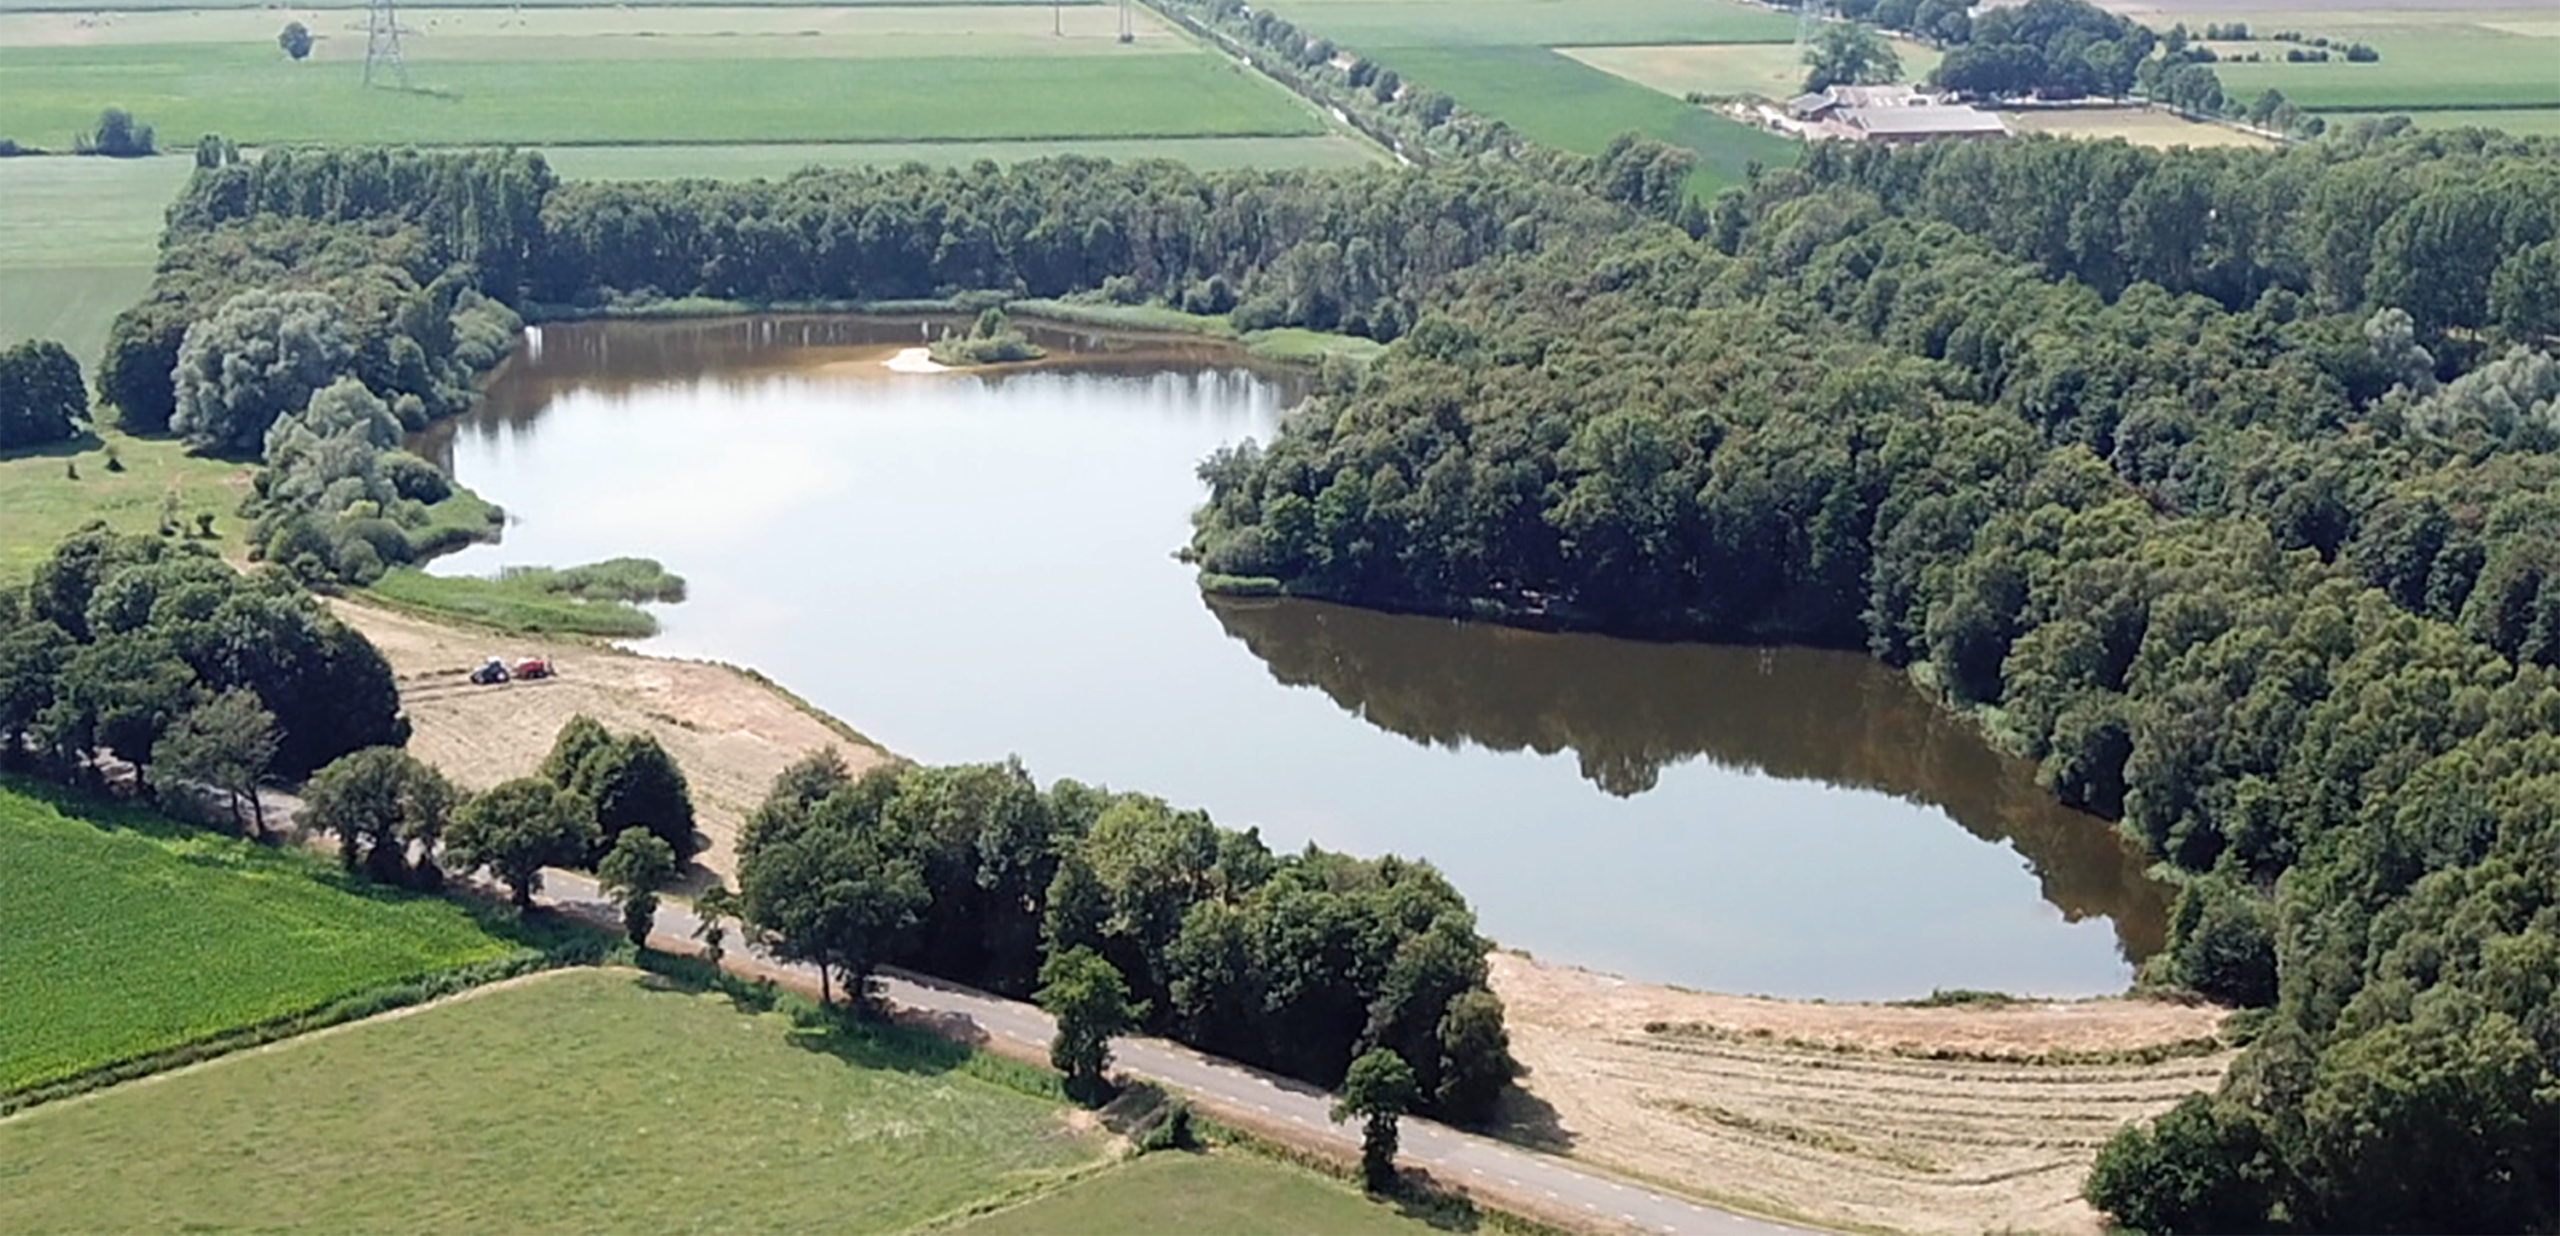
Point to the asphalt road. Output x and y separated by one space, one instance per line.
1482 1164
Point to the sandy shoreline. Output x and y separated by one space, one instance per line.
1830 1113
913 360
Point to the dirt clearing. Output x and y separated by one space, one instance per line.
2140 126
730 732
1836 1113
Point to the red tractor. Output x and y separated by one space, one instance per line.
533 667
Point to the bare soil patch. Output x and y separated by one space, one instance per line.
729 731
2138 125
1958 1119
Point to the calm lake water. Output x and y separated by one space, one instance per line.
966 566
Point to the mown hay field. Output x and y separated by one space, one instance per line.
1769 70
578 1101
129 935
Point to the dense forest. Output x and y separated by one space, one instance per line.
1295 962
2219 483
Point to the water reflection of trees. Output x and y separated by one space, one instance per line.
734 354
1627 710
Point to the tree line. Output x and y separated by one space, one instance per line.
2236 527
1293 962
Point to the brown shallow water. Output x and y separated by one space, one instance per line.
967 565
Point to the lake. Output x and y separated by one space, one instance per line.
966 566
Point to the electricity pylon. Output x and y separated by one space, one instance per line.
382 42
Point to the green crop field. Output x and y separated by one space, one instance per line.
1171 1194
2521 121
1498 58
129 935
580 1101
2431 58
244 93
1374 26
77 239
1568 104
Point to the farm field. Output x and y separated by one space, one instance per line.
1567 104
1172 1194
1846 1116
2140 126
77 240
1770 70
1501 59
2521 121
2467 55
246 94
128 934
1378 25
618 74
578 1101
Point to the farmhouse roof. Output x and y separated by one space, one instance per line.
1924 120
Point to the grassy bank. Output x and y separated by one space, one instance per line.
595 601
590 1100
1288 343
129 934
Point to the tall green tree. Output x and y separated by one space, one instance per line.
295 39
517 828
1848 53
633 870
1090 1001
1379 1089
260 356
42 399
228 742
382 803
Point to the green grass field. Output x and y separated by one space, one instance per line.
2431 58
1374 26
128 935
77 240
44 504
580 1101
246 94
1174 1194
2521 121
1568 104
1496 58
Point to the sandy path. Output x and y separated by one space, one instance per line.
729 732
1827 1111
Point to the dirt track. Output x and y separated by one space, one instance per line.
729 732
1833 1113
